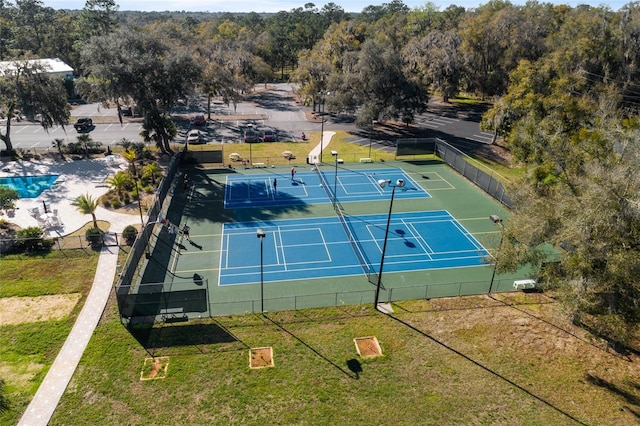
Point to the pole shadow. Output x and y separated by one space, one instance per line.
355 376
487 369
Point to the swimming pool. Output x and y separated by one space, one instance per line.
29 186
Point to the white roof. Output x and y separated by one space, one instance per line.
53 66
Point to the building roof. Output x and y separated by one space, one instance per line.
53 66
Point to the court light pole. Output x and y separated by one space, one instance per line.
261 234
399 184
498 221
373 123
335 178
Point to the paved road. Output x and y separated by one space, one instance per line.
274 108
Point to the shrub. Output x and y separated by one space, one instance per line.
94 237
129 234
7 197
31 239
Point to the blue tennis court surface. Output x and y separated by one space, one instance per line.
311 188
319 247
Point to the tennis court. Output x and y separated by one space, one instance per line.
281 189
318 252
320 248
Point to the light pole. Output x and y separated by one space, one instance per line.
498 221
383 183
321 107
335 178
250 145
261 234
373 123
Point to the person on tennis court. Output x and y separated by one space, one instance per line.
293 172
185 232
275 185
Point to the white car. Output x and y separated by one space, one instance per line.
194 136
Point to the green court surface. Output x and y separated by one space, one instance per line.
176 263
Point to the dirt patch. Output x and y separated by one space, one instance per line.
155 368
368 347
20 374
20 310
261 357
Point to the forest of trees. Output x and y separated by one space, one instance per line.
563 83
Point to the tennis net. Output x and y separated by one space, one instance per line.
347 229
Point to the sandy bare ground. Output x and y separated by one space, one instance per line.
20 310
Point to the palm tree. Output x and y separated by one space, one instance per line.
151 171
131 156
118 182
87 205
58 144
84 140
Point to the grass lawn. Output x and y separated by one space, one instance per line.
27 350
456 361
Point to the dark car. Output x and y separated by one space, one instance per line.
251 136
83 124
199 120
268 135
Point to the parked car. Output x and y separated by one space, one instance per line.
268 135
127 111
199 120
83 124
251 136
195 136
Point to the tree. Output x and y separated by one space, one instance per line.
33 21
138 66
373 81
58 144
119 183
24 87
86 204
151 171
98 17
435 61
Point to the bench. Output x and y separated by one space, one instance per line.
258 165
173 315
366 160
524 284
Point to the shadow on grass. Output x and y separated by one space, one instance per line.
160 336
611 387
487 369
619 352
350 363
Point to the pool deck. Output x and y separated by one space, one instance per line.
75 178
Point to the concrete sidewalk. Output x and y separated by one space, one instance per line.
314 155
44 403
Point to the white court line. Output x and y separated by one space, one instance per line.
426 247
280 247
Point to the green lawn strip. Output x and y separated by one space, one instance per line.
424 377
57 273
27 350
26 354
